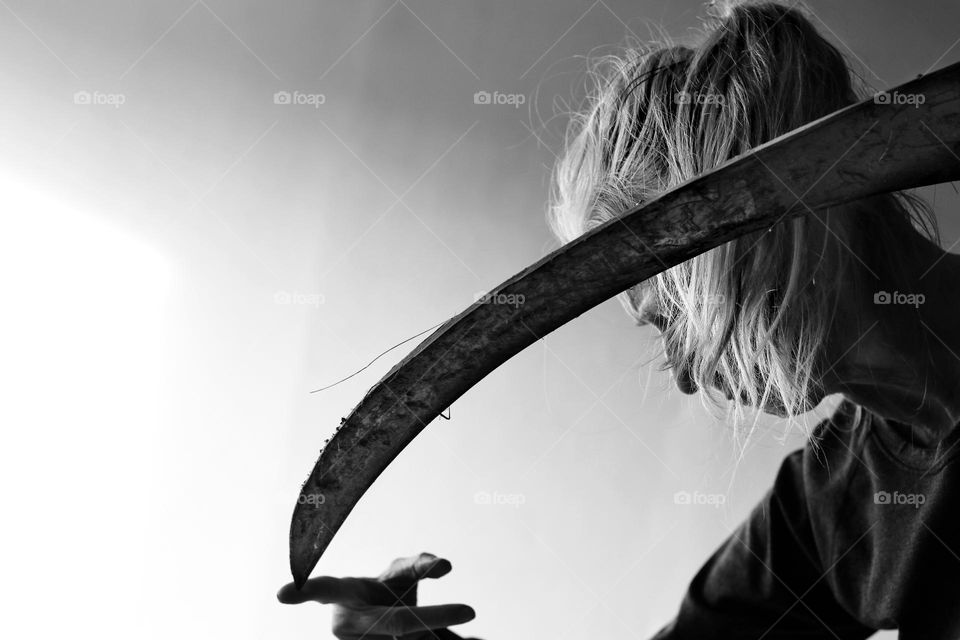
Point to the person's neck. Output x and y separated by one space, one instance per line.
906 367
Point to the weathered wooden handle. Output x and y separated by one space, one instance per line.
875 146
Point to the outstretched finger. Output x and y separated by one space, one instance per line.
446 634
400 621
325 589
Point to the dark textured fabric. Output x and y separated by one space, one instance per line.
859 534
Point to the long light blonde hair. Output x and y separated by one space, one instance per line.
751 316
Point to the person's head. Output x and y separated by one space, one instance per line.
753 319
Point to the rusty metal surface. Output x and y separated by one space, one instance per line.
867 148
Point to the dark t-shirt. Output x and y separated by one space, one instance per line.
859 534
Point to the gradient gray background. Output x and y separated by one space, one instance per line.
184 268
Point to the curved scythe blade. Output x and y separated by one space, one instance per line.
875 146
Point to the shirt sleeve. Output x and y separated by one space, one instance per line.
766 580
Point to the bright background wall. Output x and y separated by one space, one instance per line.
183 268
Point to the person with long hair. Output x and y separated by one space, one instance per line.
857 532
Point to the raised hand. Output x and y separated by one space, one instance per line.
384 607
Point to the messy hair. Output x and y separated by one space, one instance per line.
751 316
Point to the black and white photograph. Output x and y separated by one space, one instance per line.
480 319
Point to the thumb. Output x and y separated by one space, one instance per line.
425 565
